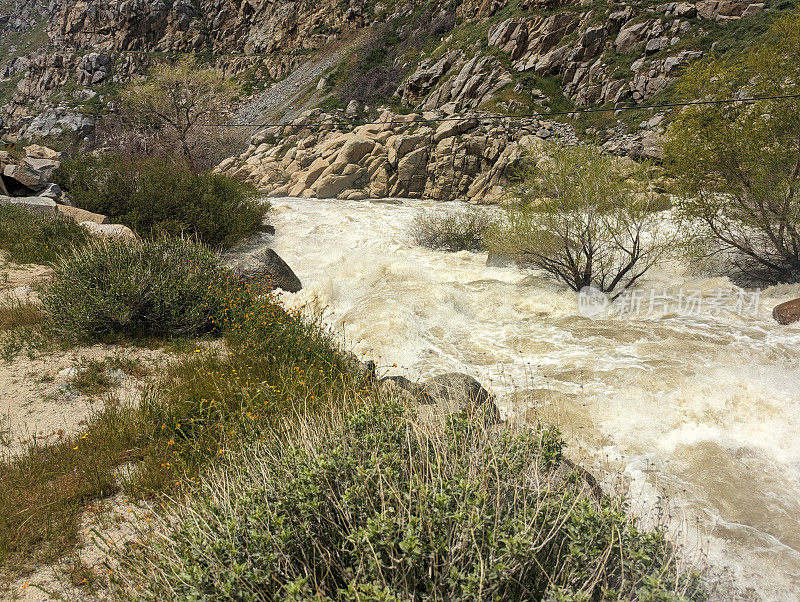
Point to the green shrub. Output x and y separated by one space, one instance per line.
29 238
157 197
457 230
377 507
141 288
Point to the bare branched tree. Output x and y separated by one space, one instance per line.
584 219
177 105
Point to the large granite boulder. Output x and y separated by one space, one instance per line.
266 265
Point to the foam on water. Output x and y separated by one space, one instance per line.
702 406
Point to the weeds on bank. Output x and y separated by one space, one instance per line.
95 377
29 238
366 503
20 314
91 378
276 365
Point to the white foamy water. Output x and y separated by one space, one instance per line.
702 407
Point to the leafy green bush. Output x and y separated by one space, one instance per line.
157 197
451 230
29 238
371 505
141 288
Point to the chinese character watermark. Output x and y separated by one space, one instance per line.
593 303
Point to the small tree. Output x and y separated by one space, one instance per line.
738 164
179 103
580 218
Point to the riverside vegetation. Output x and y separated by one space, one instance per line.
279 452
275 466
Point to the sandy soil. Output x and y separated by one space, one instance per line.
109 524
38 404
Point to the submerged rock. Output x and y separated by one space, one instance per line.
446 394
787 313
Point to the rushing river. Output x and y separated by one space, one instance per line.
701 406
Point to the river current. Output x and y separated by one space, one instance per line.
697 406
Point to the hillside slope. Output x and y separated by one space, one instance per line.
435 58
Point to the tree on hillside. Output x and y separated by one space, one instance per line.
585 219
739 163
178 103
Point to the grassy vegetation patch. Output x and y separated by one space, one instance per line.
45 491
371 505
43 239
275 366
20 314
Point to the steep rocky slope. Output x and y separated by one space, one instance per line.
435 58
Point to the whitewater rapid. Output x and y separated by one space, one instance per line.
701 409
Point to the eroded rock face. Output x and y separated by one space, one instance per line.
401 156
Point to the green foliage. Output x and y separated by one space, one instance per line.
91 378
374 75
277 365
29 238
155 197
121 288
372 506
585 218
738 164
176 103
451 230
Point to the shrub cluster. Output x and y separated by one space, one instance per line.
29 238
373 506
157 197
142 288
457 230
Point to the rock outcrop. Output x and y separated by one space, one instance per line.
542 54
412 156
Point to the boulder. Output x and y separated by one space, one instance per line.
630 36
34 204
788 312
81 215
52 191
454 392
36 151
266 264
111 231
26 176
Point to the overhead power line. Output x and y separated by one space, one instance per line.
500 117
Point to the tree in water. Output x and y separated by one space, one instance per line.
586 218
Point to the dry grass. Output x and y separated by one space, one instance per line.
20 314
